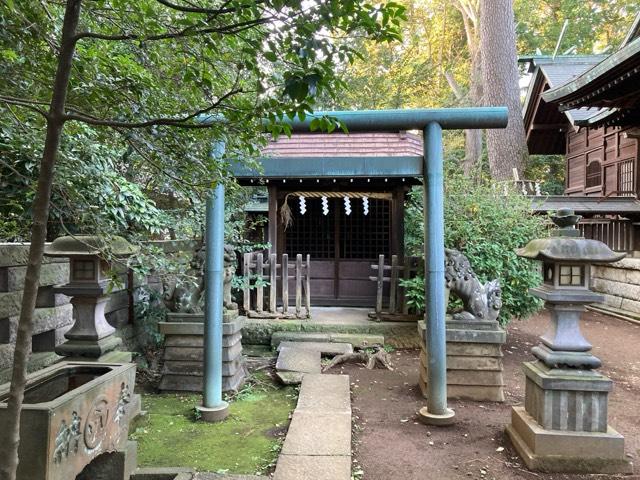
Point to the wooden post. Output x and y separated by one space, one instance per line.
393 285
307 287
260 278
272 232
380 284
406 274
298 284
284 277
273 279
246 271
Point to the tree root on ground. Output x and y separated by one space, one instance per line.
379 359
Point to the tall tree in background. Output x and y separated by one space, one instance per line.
507 148
409 73
470 11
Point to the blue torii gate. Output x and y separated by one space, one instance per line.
431 122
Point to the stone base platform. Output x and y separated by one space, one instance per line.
336 324
564 451
474 361
184 353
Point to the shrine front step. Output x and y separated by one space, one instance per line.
184 355
474 363
355 339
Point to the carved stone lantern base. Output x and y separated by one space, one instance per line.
89 349
91 336
563 425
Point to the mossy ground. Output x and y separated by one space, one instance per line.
170 435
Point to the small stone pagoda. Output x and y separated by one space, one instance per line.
563 425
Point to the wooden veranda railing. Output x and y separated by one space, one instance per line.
267 283
397 307
618 234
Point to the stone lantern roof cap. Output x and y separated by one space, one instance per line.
568 249
566 244
85 245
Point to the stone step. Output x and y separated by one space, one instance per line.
325 348
298 360
355 339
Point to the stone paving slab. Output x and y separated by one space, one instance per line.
328 348
306 467
312 433
291 378
298 360
324 394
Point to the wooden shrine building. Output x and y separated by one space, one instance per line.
344 219
588 109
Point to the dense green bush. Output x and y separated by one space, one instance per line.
487 226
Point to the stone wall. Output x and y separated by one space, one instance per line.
53 314
620 284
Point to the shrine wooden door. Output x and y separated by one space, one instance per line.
342 245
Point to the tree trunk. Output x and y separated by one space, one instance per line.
507 148
55 124
473 138
469 9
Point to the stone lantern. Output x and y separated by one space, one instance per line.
563 424
91 336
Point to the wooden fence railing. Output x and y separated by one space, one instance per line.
391 274
267 286
618 234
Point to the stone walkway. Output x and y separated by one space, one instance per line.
318 443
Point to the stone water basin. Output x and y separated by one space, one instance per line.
73 412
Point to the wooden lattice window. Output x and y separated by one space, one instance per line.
625 178
365 236
594 174
313 232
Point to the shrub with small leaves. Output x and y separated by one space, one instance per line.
486 225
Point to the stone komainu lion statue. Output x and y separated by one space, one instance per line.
186 295
481 302
229 271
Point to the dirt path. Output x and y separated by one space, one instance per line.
390 444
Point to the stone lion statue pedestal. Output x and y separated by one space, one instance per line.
184 332
474 337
